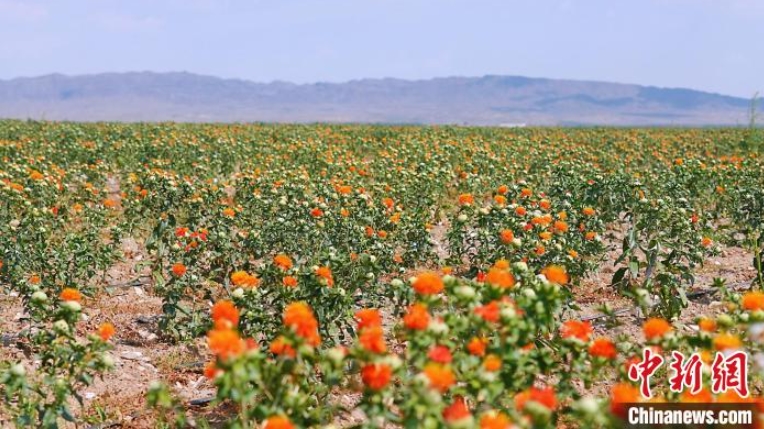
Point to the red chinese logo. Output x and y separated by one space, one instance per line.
730 372
727 372
642 371
686 373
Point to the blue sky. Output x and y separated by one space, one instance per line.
714 45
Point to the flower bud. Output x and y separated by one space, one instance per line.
39 297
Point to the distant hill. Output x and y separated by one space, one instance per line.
488 100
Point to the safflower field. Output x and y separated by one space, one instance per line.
295 276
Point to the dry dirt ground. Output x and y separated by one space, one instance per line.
141 357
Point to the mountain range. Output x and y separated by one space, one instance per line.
487 100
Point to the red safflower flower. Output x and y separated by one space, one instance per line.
440 354
280 347
489 312
368 317
576 329
456 411
543 396
178 269
603 347
376 376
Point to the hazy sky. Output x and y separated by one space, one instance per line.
714 45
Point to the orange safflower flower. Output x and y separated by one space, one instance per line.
428 283
492 363
34 279
278 422
368 317
466 199
325 273
655 328
376 376
604 348
588 211
556 274
501 264
521 211
506 236
707 325
502 189
372 339
178 269
106 331
229 212
388 202
316 212
545 204
299 316
545 235
726 342
525 193
70 294
289 281
620 394
417 318
225 315
500 200
539 250
344 190
704 397
441 377
225 343
706 242
495 420
280 347
283 261
244 279
477 346
576 329
500 278
543 396
560 226
590 235
753 301
457 411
